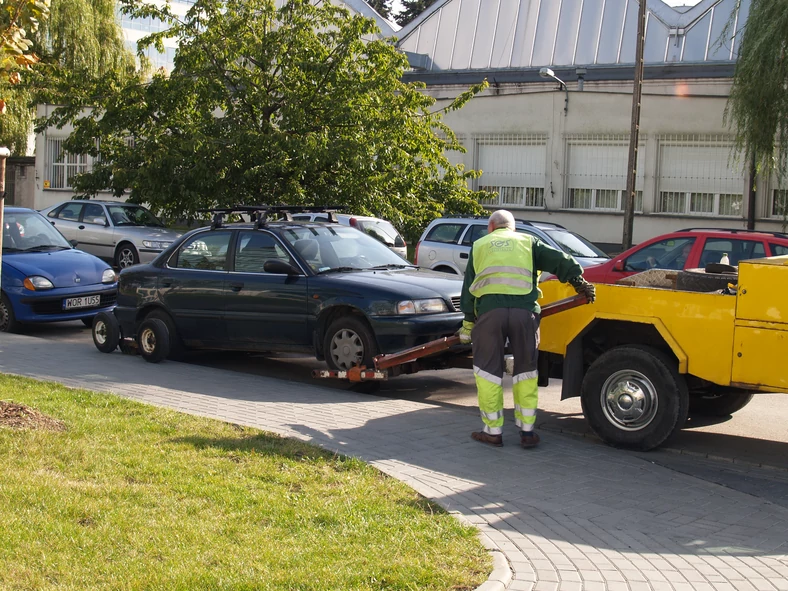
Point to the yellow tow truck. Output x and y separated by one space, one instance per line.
643 358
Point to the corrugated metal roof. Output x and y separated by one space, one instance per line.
494 34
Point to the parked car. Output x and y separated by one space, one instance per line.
123 233
690 248
446 243
382 230
45 279
302 286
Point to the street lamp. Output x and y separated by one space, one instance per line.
548 73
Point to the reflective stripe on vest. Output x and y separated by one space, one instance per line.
503 262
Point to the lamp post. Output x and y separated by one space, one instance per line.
548 73
4 153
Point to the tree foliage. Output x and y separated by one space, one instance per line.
411 9
79 39
757 108
272 105
382 7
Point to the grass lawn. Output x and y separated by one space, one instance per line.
129 496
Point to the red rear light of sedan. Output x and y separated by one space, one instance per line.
416 253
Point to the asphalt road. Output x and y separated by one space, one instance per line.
755 436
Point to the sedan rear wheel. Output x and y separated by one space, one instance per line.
349 342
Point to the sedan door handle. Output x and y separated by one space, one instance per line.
236 286
82 227
463 255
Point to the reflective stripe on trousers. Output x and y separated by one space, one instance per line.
526 398
490 392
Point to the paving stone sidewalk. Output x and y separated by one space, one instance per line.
568 515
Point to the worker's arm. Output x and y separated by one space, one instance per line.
557 262
467 301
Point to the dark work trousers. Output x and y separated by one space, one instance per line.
489 336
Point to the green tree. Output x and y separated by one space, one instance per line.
382 7
757 108
272 105
79 39
411 9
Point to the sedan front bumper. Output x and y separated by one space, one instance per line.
47 306
396 333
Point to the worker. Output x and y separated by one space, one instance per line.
499 302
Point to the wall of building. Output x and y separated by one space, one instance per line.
570 167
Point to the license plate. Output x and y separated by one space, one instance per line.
83 302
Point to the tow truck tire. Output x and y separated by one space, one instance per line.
106 332
720 403
177 348
703 281
153 340
349 342
634 397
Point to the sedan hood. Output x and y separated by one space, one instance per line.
404 283
61 267
149 233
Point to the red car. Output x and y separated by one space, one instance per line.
689 249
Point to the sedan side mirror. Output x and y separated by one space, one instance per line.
73 243
279 267
100 222
619 265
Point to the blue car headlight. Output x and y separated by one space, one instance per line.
109 276
37 283
431 306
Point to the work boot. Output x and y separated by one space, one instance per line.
529 439
482 437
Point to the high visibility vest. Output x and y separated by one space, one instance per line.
503 262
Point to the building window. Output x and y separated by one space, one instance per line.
697 177
513 168
62 167
779 203
596 177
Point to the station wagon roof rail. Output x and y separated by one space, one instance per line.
735 231
259 213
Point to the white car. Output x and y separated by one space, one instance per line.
122 233
380 229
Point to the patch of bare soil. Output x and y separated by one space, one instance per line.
19 416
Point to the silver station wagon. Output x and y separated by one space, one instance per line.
122 233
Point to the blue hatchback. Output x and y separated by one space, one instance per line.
45 279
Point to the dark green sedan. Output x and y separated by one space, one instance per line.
284 286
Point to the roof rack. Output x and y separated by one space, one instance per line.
735 231
535 222
259 214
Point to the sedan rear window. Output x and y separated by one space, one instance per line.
778 249
575 245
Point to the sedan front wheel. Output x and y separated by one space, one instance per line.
349 342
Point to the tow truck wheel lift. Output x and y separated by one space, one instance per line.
437 354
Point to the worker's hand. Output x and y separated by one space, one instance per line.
583 287
465 332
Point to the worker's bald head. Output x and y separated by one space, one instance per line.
500 219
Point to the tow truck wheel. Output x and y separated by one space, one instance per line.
106 332
633 396
349 342
153 340
719 403
177 348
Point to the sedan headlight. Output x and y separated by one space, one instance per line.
156 244
431 306
37 283
109 276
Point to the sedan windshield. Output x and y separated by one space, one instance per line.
575 245
133 215
30 232
340 248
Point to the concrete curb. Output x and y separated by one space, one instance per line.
501 574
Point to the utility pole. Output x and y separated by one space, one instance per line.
4 153
634 134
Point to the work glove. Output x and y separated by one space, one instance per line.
465 332
583 287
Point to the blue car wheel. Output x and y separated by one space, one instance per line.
8 321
